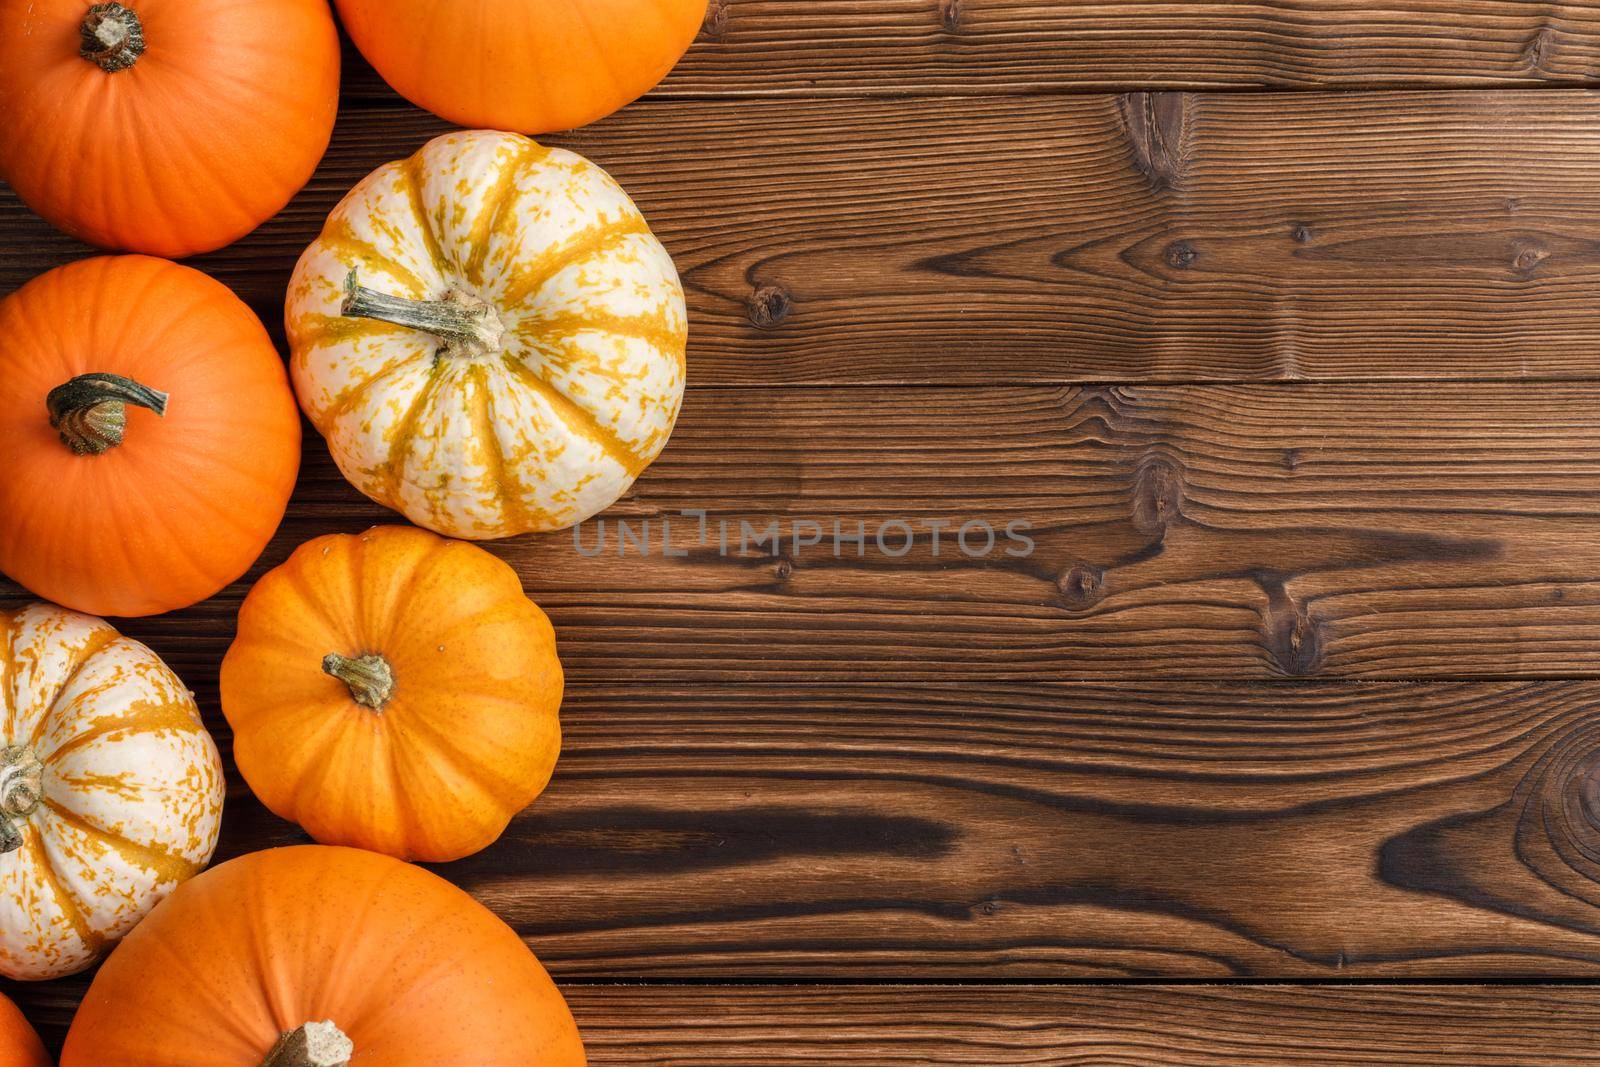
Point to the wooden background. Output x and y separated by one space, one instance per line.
1298 390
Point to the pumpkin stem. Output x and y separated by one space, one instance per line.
90 410
312 1045
466 325
370 678
21 793
112 36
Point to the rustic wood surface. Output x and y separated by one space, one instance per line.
1026 1026
1294 394
1402 530
776 48
1148 237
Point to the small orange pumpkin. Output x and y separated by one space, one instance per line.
19 1045
164 126
148 436
528 66
318 957
395 691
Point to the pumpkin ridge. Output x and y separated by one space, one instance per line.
8 676
530 277
579 417
497 203
412 171
509 793
222 515
339 239
636 327
144 717
312 601
171 528
344 401
507 487
404 435
98 642
166 866
93 941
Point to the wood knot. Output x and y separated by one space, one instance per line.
1157 127
1301 233
1527 255
1180 254
1291 459
1539 51
783 570
950 15
1293 638
1081 584
716 21
1157 495
769 305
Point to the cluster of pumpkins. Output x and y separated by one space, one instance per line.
491 341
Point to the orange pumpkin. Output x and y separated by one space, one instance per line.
529 66
148 436
164 126
395 691
19 1045
313 956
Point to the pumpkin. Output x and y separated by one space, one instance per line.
489 337
19 1045
164 126
147 432
526 65
315 956
110 789
394 691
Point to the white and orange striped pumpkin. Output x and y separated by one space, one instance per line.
110 789
489 337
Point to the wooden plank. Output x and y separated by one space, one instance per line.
942 831
775 48
1349 530
1098 238
998 1026
1051 831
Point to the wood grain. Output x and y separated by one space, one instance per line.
1002 1026
1099 238
1334 530
1053 831
1047 831
774 48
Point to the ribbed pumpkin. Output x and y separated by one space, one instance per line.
317 957
489 337
526 65
147 433
164 126
19 1044
394 691
110 789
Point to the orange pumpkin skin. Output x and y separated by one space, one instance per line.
411 969
19 1045
525 66
465 737
185 502
214 126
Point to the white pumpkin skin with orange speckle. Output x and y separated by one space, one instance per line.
110 789
540 366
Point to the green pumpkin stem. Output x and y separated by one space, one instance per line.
370 678
90 411
111 36
465 324
21 793
312 1045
